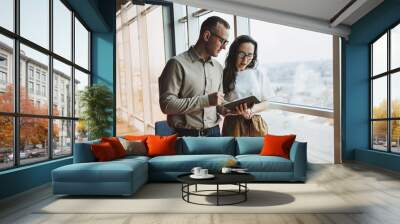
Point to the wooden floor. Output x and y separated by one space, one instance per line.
378 189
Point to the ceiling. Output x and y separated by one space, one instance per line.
326 16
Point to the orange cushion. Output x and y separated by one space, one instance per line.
116 145
161 145
277 145
103 152
136 137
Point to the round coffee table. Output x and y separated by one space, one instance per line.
238 179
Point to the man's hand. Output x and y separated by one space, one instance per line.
216 98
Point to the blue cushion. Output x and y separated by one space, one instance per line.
257 163
83 153
249 145
208 145
185 163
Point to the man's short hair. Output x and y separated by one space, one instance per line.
211 23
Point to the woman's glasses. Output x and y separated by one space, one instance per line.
248 56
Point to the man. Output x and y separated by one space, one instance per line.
190 85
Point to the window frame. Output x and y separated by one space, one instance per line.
388 74
16 114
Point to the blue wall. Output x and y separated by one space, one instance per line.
99 16
355 80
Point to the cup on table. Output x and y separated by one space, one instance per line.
196 171
203 172
226 170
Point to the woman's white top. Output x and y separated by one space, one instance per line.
251 82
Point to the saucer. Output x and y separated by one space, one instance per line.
208 176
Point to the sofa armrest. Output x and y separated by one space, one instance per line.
83 152
298 155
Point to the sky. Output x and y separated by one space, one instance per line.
35 27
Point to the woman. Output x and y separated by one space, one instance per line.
242 79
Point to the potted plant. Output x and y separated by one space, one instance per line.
96 103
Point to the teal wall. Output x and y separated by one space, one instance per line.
99 16
355 82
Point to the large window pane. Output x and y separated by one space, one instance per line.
62 89
81 45
62 29
7 14
81 81
379 56
34 72
33 139
35 21
62 138
6 74
229 18
395 95
298 63
6 142
318 132
155 44
395 136
379 98
395 47
379 135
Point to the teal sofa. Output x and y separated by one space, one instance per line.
125 176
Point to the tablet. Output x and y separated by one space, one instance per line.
250 100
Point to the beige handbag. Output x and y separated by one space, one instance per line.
237 126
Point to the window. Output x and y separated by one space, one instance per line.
45 131
385 94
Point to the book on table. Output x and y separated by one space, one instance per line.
250 101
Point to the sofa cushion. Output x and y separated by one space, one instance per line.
112 171
161 145
208 145
275 145
257 163
185 163
249 145
103 152
116 145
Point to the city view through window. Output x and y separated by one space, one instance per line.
32 110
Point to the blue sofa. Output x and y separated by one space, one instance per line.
125 176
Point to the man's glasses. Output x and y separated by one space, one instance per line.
222 40
242 55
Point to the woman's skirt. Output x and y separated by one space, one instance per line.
237 125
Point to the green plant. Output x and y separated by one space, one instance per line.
96 102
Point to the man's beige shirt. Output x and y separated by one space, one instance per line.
184 86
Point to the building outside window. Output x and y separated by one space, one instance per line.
34 84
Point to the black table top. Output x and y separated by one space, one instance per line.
220 178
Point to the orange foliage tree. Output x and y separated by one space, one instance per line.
380 111
33 130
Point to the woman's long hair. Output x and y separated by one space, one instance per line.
230 71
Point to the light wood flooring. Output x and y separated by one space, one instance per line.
377 188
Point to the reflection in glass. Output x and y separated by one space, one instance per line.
379 56
395 95
81 131
81 81
395 136
379 135
6 142
6 74
395 47
34 96
7 14
298 63
35 21
62 29
62 138
81 45
33 139
379 97
62 89
155 45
